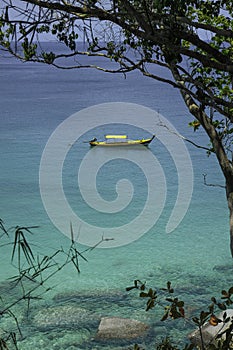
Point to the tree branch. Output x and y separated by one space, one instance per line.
211 185
184 138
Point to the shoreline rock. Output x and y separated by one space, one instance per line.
210 332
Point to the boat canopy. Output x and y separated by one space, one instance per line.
116 136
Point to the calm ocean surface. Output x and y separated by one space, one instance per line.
35 100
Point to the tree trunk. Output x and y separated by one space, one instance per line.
225 164
229 194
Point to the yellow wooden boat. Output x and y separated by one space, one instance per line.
120 140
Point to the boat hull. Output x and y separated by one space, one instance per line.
126 143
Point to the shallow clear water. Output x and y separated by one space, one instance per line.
195 257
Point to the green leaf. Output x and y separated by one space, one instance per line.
165 316
170 300
196 320
151 293
213 300
222 306
129 288
150 304
180 304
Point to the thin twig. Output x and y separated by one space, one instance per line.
211 185
183 137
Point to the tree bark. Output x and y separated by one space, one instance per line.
226 164
229 194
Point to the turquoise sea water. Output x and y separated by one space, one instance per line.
195 257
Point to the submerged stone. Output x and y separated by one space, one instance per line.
68 296
11 290
223 268
63 316
120 328
55 340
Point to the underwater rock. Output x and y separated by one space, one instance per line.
11 290
223 268
55 340
120 328
110 296
63 316
210 332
